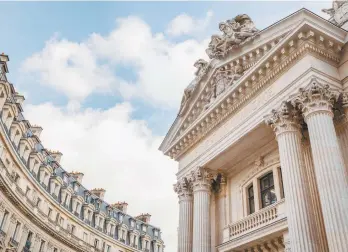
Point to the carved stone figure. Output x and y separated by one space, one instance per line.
338 13
236 32
222 81
202 68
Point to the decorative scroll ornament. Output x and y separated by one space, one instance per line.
202 68
284 119
236 32
183 188
201 179
315 98
338 13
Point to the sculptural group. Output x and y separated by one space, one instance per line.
236 32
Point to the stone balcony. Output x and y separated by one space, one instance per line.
257 224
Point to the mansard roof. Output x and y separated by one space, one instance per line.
236 76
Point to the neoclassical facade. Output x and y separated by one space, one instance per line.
261 138
44 208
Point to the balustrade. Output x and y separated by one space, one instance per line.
264 216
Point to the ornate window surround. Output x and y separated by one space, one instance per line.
254 180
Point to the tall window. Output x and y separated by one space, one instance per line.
4 219
268 196
251 199
14 236
42 246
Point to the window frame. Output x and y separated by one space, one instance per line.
267 190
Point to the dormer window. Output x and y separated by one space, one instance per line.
156 233
132 223
76 187
144 228
120 217
97 205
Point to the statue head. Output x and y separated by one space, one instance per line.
223 26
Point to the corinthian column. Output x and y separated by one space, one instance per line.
201 185
316 103
301 221
183 190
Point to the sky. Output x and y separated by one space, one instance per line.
105 80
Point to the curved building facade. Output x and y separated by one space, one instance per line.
44 208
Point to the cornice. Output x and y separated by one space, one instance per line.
302 42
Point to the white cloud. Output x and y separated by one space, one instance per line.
117 153
185 24
162 68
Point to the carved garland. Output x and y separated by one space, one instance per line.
249 87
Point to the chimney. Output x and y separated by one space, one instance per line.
99 192
36 130
77 175
57 155
121 206
144 217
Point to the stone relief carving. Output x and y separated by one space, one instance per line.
338 13
202 68
236 32
221 82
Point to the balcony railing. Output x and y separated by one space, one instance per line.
256 220
88 222
147 250
122 240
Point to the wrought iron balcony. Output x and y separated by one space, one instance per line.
13 243
122 240
147 250
88 221
100 229
77 214
135 246
55 196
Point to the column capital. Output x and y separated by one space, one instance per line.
201 179
285 119
315 98
183 189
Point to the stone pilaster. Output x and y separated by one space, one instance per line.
201 185
301 223
185 233
316 103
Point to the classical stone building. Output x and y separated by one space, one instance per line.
261 138
44 208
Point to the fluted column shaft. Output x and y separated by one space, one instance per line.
185 223
316 103
315 200
184 191
201 211
301 221
201 220
330 173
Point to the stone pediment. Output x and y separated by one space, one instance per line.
231 82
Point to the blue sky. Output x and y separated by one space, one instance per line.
105 80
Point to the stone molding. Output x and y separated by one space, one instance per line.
263 73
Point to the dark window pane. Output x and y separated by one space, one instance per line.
268 195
